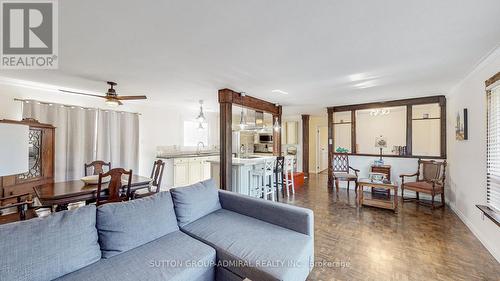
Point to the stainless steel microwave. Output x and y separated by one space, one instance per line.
266 138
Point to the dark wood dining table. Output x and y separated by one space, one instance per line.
66 192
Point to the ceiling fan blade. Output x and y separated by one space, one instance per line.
131 97
83 94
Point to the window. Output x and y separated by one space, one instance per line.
193 134
493 148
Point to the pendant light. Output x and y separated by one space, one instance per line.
242 115
201 116
276 126
200 126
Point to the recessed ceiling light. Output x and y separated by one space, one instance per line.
280 92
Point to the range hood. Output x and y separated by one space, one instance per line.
254 120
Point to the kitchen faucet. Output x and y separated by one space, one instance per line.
198 146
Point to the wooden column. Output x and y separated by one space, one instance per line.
226 140
330 147
277 134
409 129
353 131
442 104
305 144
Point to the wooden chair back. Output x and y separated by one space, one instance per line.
340 163
115 190
21 202
97 167
431 170
157 174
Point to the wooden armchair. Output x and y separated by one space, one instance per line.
342 171
156 176
97 167
22 203
430 179
116 192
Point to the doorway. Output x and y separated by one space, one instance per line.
321 149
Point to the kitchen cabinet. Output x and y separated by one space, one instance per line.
195 170
291 132
190 170
181 172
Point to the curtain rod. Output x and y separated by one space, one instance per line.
74 106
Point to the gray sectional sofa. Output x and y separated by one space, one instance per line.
190 233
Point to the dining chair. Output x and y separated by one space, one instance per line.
97 167
21 203
429 179
342 171
156 176
115 189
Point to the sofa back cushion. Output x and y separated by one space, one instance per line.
127 225
50 247
195 201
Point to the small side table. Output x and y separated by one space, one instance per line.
390 203
383 169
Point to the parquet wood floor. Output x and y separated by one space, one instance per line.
376 244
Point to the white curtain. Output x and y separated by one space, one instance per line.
75 135
118 139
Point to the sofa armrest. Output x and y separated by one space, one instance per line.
294 218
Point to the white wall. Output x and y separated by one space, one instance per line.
467 159
159 125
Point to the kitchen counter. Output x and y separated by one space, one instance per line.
252 160
188 155
242 181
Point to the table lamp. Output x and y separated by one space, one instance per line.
381 143
14 149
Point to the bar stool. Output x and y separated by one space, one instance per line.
289 180
278 175
264 174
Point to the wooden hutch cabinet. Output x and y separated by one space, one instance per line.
41 160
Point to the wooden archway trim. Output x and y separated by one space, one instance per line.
227 98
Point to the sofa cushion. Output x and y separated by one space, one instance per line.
49 247
253 248
175 256
195 201
126 225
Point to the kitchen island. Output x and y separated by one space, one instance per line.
241 169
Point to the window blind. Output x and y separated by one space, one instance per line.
493 148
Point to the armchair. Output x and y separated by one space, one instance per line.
342 171
430 181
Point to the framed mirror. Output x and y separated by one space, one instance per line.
35 156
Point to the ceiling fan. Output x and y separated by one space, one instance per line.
112 99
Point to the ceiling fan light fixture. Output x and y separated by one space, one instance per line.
112 103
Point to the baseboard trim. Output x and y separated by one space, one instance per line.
475 231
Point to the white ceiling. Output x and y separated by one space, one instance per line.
322 52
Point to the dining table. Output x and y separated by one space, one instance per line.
65 192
